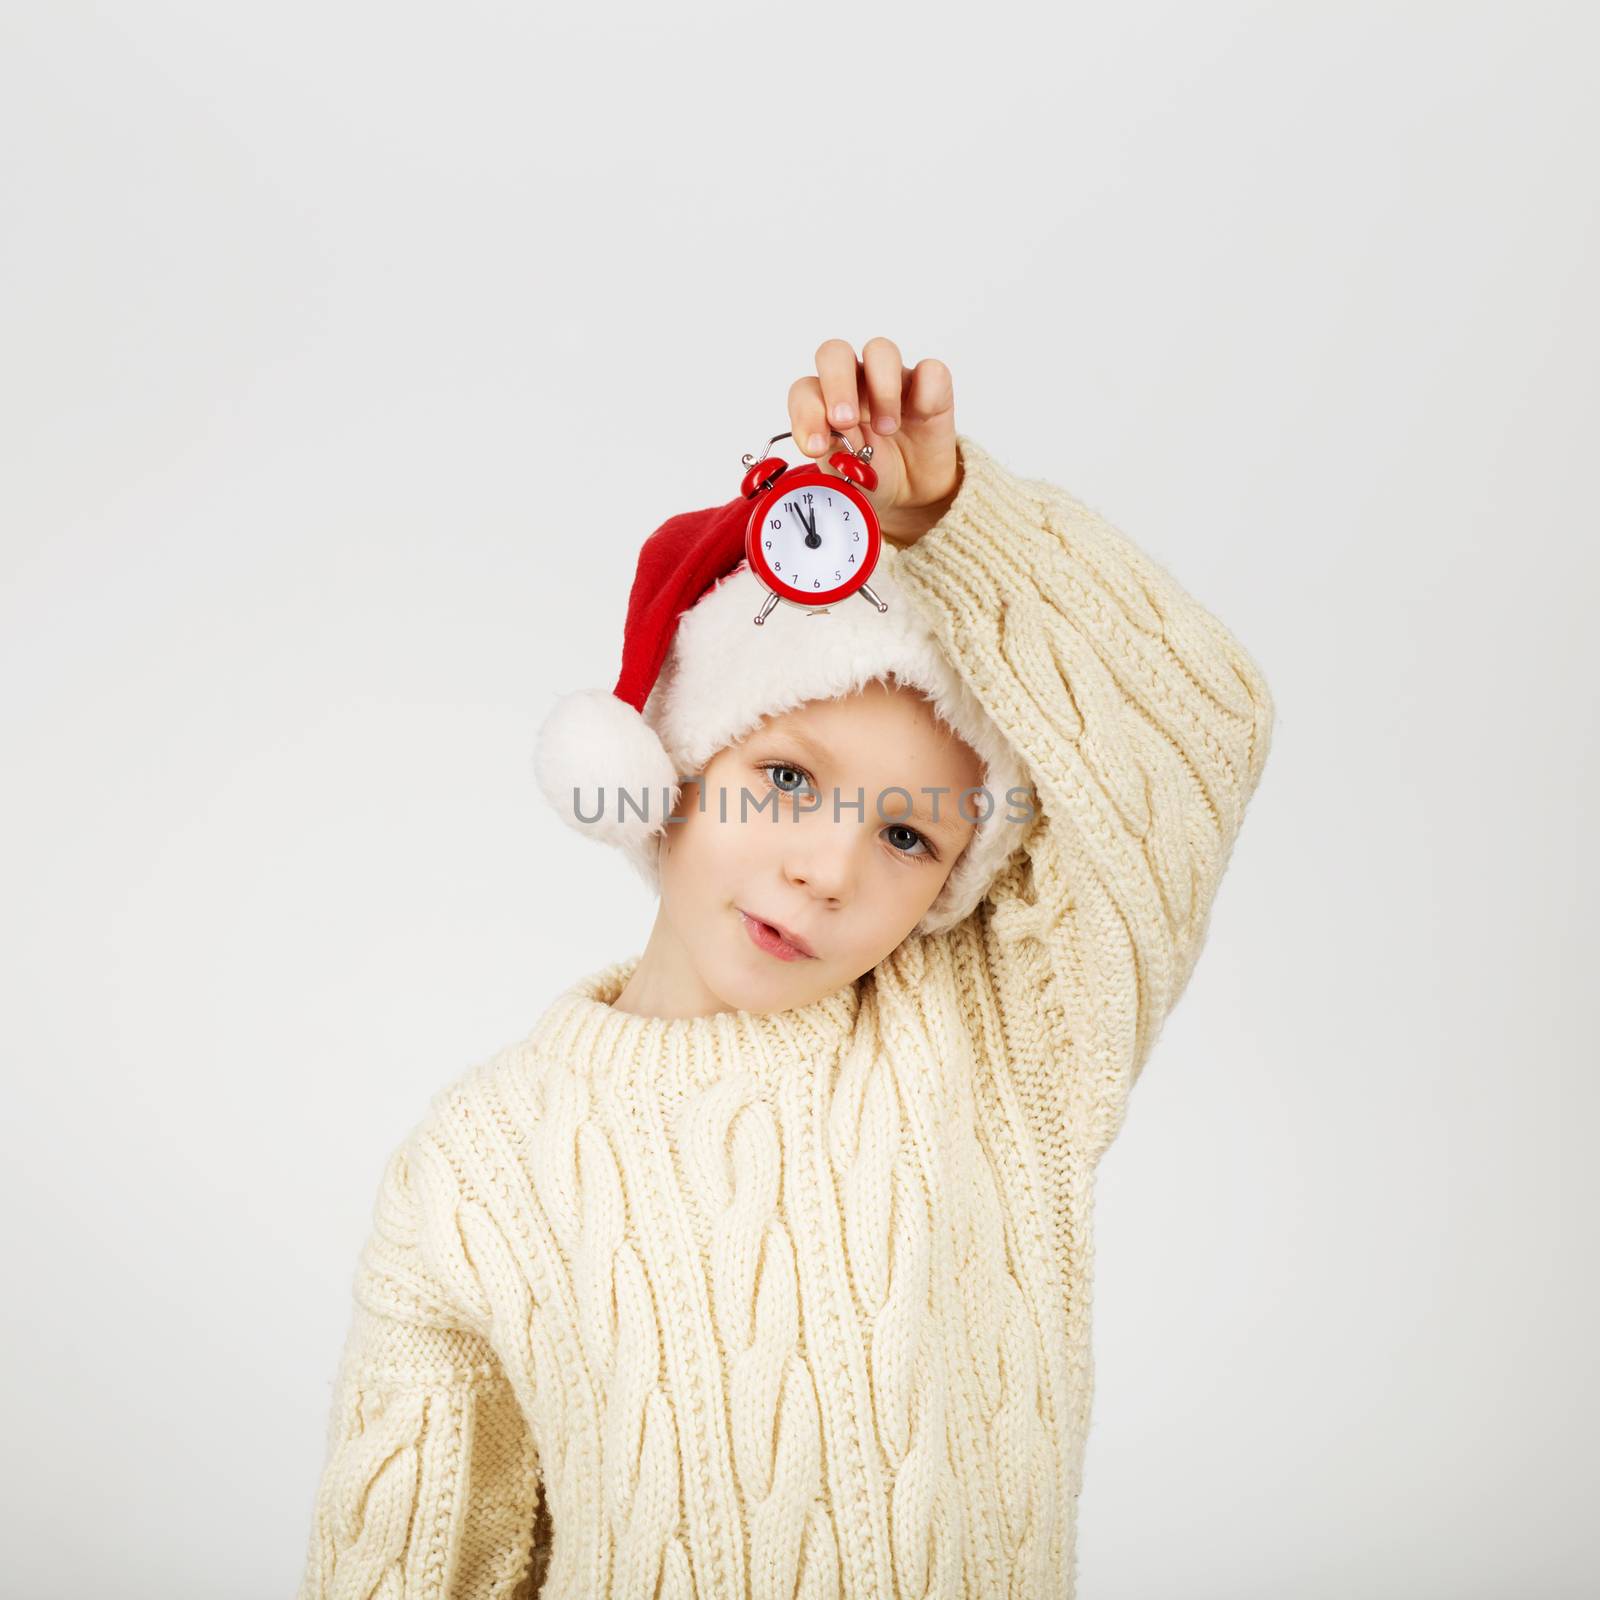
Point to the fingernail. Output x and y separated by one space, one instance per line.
885 425
814 442
844 413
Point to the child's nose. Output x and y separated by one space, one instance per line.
823 863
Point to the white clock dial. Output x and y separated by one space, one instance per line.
814 538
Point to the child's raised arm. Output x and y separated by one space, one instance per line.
430 1484
1144 726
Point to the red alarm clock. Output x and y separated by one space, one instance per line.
812 538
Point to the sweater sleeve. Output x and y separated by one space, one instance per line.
1143 727
429 1487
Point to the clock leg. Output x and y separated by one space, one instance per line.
868 595
766 609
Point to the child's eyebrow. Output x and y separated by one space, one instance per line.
814 748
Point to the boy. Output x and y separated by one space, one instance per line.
761 1266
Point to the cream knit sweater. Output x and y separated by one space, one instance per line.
797 1304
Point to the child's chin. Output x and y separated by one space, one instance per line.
757 982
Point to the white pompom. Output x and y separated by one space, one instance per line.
601 765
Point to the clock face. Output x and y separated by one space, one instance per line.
817 540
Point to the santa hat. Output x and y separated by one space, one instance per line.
698 675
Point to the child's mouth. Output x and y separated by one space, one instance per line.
765 937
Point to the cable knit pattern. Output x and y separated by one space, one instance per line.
797 1304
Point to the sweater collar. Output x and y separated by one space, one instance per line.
685 1052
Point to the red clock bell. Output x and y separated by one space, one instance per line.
813 538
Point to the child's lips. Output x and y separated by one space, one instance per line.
771 938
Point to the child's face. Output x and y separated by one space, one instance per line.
850 879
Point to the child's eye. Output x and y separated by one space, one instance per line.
927 852
770 767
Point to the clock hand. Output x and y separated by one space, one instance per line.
813 538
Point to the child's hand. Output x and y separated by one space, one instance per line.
908 417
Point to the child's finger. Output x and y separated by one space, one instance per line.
930 393
807 416
839 374
885 376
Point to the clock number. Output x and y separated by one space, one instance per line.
775 524
777 566
769 544
816 583
856 537
852 558
837 573
847 516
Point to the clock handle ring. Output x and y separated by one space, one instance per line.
863 454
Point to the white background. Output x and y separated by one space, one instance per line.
347 354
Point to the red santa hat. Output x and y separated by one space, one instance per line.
697 675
